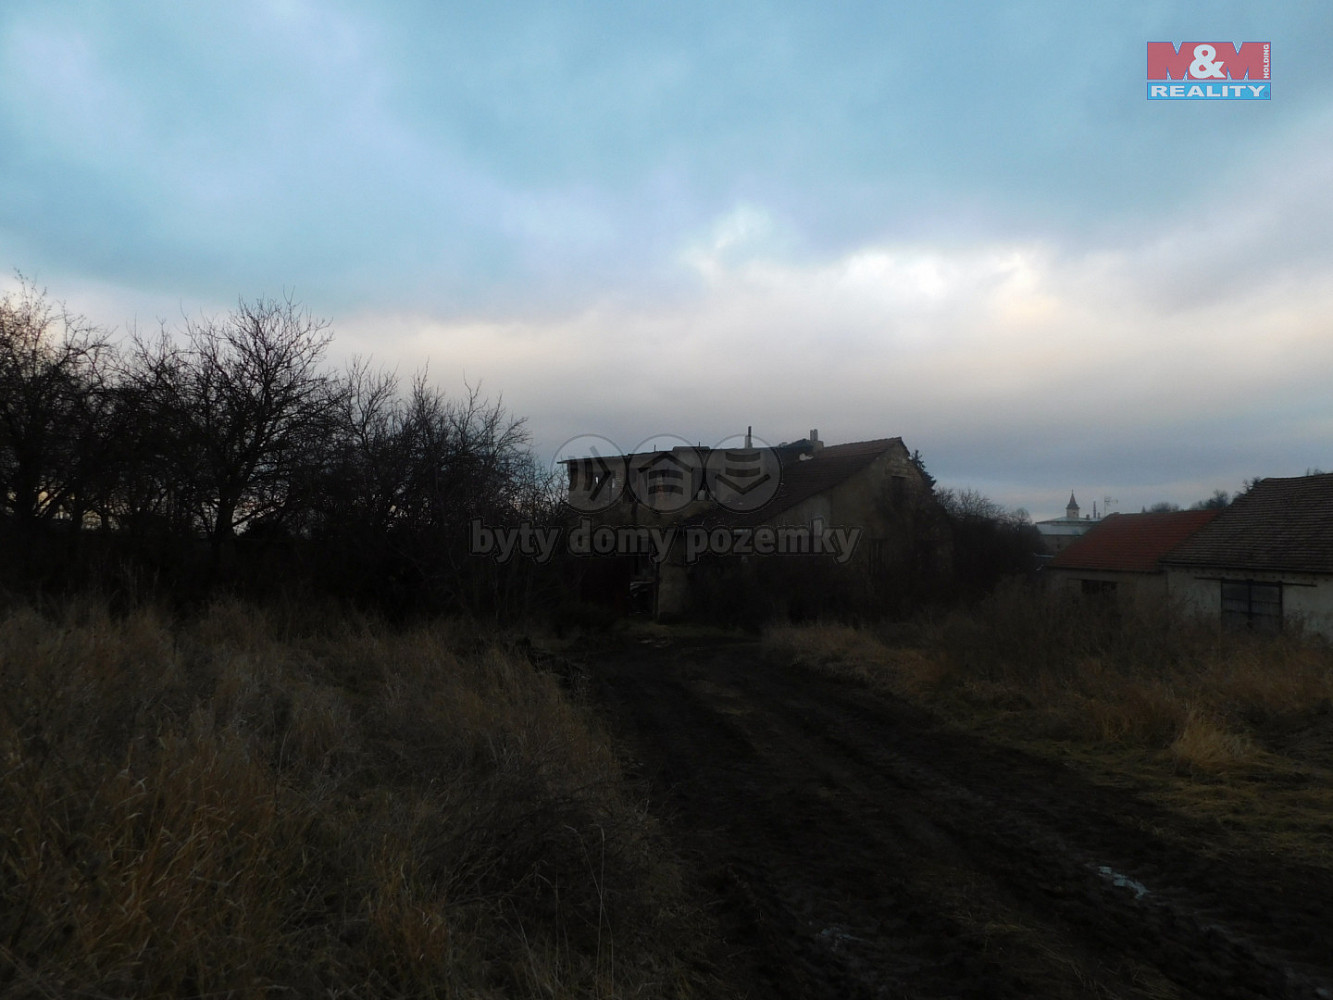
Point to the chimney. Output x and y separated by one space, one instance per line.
748 430
815 443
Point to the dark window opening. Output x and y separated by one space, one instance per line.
1098 588
1251 605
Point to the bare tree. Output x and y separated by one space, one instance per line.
373 460
989 541
246 410
482 452
969 503
233 427
52 396
1219 499
411 470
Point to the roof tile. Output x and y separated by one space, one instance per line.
1132 543
803 479
1279 525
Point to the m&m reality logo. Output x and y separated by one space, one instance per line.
1209 71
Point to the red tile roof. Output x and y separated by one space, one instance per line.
1132 543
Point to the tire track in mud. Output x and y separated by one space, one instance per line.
858 850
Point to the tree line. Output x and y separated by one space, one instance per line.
229 453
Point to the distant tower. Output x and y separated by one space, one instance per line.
1071 512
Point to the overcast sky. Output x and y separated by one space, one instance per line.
960 223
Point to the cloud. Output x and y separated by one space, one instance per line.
961 225
1007 363
538 157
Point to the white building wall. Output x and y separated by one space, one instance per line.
1128 585
1305 596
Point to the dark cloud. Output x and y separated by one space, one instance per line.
954 221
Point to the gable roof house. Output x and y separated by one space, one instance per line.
1122 554
1266 560
850 510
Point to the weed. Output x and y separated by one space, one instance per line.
1175 699
246 803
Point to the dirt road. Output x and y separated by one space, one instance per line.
856 849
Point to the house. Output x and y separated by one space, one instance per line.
1266 560
850 511
1058 533
1122 554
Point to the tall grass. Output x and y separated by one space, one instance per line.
1138 674
246 804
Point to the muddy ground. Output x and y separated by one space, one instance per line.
850 847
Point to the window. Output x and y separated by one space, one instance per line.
1098 588
1252 605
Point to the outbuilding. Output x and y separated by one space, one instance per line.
1122 554
1267 561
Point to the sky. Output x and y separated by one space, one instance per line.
962 224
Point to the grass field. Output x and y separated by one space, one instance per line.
254 803
251 803
1235 729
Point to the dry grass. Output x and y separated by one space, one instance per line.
1130 675
243 805
854 652
1205 741
1235 727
